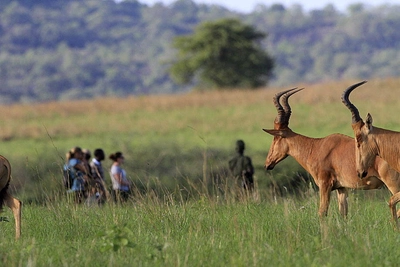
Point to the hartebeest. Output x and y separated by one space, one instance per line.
371 142
5 198
329 160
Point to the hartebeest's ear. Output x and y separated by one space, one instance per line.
275 132
368 122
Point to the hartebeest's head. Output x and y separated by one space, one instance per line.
366 152
279 148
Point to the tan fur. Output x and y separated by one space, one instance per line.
384 144
5 198
329 160
372 142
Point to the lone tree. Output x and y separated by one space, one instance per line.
222 54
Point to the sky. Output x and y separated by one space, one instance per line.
246 6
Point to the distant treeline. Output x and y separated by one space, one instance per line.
68 49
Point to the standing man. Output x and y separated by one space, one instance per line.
241 167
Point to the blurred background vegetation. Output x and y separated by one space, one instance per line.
74 49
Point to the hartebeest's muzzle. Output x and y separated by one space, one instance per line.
269 167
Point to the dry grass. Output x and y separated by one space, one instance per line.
74 118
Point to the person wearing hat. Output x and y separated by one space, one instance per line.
241 167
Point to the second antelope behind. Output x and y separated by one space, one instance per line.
372 142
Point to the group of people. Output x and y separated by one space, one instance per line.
85 177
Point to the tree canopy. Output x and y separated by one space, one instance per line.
68 49
222 54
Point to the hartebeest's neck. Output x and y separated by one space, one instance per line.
302 148
387 145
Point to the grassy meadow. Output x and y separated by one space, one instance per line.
184 211
202 233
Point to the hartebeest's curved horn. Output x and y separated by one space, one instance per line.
286 106
281 112
345 99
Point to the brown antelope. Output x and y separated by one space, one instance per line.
329 160
371 142
5 198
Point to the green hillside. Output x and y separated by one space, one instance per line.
73 49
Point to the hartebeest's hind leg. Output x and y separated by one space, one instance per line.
15 205
392 205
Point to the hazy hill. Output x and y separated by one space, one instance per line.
74 49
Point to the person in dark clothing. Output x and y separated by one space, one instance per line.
99 181
86 161
241 167
96 166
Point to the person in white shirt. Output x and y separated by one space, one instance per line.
121 185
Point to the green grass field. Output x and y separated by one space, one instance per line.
184 212
203 233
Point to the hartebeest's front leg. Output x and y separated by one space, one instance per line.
325 188
15 205
324 202
342 201
324 199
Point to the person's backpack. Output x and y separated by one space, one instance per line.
68 177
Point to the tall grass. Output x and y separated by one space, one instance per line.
207 232
185 211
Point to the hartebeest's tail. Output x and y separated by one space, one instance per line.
355 115
2 196
3 191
